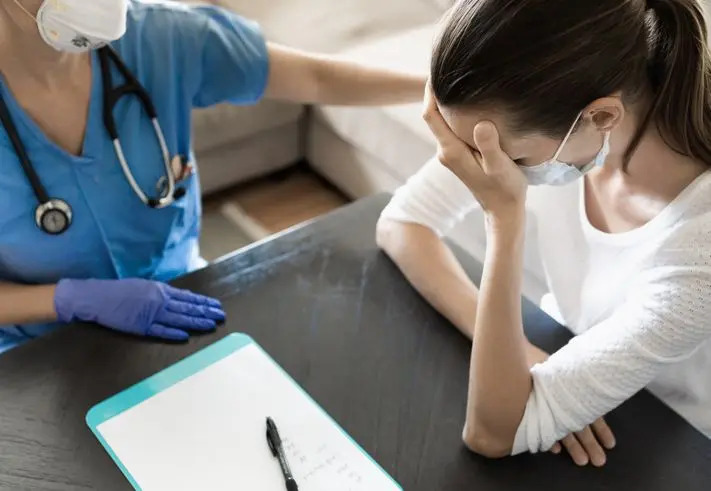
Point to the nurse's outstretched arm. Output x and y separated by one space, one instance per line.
302 77
224 57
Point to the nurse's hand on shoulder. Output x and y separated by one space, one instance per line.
136 306
491 175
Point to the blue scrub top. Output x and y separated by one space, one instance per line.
185 57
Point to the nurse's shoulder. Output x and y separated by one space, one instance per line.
164 23
213 55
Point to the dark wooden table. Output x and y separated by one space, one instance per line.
337 315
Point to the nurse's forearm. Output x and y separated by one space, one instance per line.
23 304
348 83
307 78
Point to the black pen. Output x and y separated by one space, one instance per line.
274 442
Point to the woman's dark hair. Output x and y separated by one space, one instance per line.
543 61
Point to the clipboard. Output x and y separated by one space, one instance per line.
200 424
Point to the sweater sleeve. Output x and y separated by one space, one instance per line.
434 197
663 320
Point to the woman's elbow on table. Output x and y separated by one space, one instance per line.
398 238
483 442
385 231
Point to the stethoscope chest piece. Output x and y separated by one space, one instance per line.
53 216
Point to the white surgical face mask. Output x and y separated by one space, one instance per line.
76 26
557 173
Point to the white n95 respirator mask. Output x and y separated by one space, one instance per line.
76 26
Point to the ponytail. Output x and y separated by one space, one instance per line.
680 75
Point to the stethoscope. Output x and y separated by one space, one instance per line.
53 215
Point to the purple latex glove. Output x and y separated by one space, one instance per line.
135 306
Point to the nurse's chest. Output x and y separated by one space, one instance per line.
61 112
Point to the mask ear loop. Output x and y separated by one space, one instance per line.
567 136
601 156
22 7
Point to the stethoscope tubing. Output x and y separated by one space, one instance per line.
112 95
19 147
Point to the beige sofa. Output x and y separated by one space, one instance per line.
360 150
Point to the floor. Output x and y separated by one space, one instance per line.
236 217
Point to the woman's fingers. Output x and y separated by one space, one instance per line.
576 451
604 434
592 447
453 153
448 141
588 445
486 139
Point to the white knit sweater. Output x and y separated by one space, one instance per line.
639 302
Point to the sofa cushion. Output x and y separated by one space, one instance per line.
397 135
333 25
225 123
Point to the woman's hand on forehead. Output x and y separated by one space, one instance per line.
484 167
463 122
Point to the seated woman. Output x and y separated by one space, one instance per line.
608 102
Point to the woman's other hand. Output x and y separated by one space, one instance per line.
584 447
589 445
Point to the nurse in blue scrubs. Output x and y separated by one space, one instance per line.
99 195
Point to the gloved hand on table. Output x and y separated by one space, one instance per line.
136 306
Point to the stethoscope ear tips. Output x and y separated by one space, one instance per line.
179 193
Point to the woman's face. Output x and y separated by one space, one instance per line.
534 148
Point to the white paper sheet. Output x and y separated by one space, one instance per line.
207 432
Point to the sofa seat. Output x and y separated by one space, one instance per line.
225 123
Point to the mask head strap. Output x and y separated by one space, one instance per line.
22 7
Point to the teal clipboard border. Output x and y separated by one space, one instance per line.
181 370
